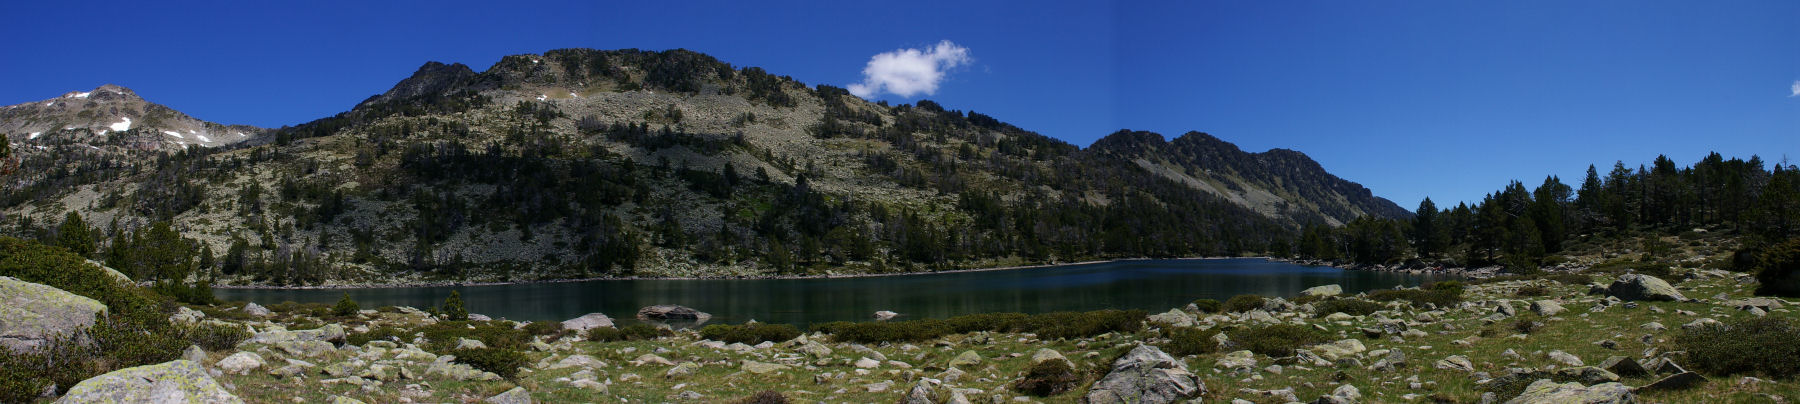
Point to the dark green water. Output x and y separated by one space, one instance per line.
1154 285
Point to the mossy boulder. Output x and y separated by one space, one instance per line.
169 382
32 315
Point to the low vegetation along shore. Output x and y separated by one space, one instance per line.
1606 334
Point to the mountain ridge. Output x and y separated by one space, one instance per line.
580 163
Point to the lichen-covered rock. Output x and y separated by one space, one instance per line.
1338 350
184 315
517 395
240 363
32 315
1544 391
587 322
1145 375
1173 317
671 312
1456 362
1643 287
757 368
1046 354
170 382
582 361
1323 290
1546 308
814 348
966 359
256 310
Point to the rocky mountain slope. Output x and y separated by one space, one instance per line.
90 117
581 163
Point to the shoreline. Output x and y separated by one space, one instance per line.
690 278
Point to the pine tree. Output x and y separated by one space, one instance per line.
75 235
453 307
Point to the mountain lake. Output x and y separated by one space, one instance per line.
1152 285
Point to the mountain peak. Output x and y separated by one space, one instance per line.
87 117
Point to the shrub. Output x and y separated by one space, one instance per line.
1531 290
453 307
503 362
345 307
217 337
1354 307
645 331
1243 303
1207 305
1276 340
605 334
199 293
1779 270
443 336
764 397
383 333
1526 325
889 331
544 328
1083 324
987 322
1191 341
750 333
1768 345
1048 378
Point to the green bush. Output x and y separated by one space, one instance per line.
383 333
1191 341
1048 378
1047 326
1207 305
1278 340
453 307
503 362
443 336
1070 324
890 331
638 332
1778 269
1243 303
345 307
544 328
1354 307
750 333
605 334
1766 345
986 322
217 337
199 293
1531 290
1526 325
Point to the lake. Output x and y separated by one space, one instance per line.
1153 285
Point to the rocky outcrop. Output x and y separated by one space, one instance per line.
329 333
1145 375
1643 287
671 312
171 382
588 322
32 315
1544 391
256 310
885 315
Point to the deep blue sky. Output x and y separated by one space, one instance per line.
1411 99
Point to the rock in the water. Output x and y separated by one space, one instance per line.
240 363
256 310
170 382
31 314
671 312
1546 308
1145 375
587 322
517 395
885 315
1544 391
1323 290
1643 287
966 359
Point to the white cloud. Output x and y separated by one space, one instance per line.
1795 89
908 72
